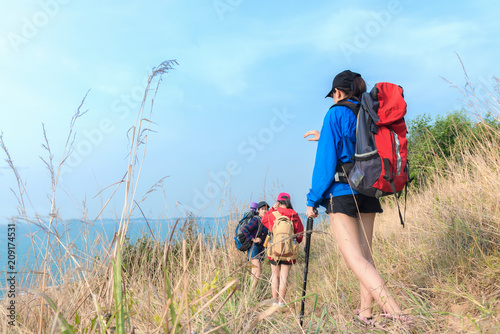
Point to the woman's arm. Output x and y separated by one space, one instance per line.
250 228
314 133
311 212
326 160
298 227
268 219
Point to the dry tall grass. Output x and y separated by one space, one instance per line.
444 269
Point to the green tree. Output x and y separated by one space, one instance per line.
432 144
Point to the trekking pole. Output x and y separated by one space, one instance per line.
307 247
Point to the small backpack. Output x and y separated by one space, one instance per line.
240 240
282 247
379 166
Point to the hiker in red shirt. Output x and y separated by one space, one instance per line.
281 268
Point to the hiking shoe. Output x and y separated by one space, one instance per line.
368 321
365 321
403 318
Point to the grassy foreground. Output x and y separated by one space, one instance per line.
443 267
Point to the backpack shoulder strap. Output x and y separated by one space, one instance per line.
259 229
247 214
277 214
354 107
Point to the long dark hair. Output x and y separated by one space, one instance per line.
354 92
286 202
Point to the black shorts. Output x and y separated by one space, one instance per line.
286 263
346 204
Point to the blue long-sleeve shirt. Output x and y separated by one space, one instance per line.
337 141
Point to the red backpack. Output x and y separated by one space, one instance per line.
379 165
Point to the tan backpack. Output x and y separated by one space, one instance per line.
282 247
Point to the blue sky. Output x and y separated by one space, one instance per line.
251 81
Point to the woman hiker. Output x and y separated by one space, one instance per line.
281 269
351 215
256 232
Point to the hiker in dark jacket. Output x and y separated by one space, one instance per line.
257 236
351 215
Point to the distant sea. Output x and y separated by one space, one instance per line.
84 240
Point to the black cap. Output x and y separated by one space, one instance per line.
343 80
261 204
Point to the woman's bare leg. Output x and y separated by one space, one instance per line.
284 271
347 231
366 221
275 280
256 272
